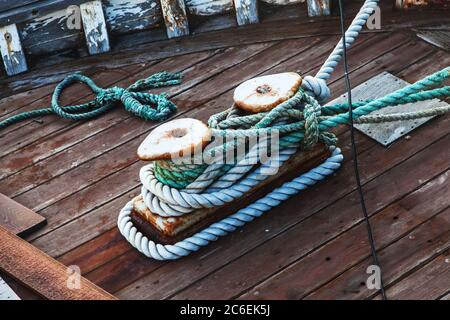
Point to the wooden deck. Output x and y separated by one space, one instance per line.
314 246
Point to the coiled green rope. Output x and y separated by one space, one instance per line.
304 119
155 107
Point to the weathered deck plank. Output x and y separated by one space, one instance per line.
430 282
197 67
82 219
409 253
53 70
11 166
54 144
62 210
400 153
281 250
343 252
29 131
210 109
128 74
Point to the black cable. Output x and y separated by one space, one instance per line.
355 154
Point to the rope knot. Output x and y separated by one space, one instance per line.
316 87
109 95
311 113
155 107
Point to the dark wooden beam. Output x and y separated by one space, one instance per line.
17 218
43 274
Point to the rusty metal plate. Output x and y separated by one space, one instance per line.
379 86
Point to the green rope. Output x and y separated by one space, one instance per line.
178 176
301 119
155 107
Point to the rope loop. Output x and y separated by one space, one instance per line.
313 134
316 87
149 106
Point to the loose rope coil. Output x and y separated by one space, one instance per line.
155 107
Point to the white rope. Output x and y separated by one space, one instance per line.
206 192
317 85
232 222
167 201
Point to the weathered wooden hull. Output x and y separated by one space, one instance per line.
45 27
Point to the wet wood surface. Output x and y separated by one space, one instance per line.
79 175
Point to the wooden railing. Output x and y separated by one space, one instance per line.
40 27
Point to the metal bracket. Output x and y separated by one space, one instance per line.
379 86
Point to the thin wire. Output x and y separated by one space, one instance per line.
355 154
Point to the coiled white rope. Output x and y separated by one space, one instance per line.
166 201
232 222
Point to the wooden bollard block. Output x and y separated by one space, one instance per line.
168 230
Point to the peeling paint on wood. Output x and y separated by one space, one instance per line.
46 31
246 11
282 2
11 50
94 27
175 18
409 3
318 8
128 15
50 33
406 4
208 7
